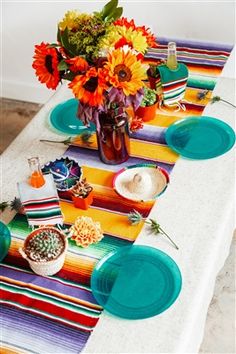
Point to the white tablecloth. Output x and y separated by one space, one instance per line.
197 210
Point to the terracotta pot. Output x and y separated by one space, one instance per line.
147 113
83 203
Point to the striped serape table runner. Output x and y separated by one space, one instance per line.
57 314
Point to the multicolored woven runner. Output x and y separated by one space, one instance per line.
57 314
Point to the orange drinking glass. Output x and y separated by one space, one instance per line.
36 179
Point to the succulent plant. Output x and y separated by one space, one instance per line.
149 98
82 189
16 204
45 245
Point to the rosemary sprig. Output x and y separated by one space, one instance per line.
218 98
201 95
135 218
15 204
65 142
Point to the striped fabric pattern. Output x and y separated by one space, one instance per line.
172 84
57 314
42 209
41 204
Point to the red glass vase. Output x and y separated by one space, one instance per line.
113 137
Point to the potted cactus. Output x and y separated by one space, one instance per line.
44 249
148 106
82 194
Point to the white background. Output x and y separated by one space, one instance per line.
26 23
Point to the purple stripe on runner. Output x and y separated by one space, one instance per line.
150 133
226 47
90 157
184 59
46 335
47 283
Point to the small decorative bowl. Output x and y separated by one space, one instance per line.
66 172
45 267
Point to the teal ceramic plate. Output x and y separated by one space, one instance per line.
64 119
5 240
136 282
200 138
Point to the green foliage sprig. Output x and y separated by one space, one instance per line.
15 204
135 218
201 95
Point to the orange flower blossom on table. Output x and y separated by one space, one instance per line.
101 55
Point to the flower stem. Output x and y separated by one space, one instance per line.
158 229
164 233
231 104
51 141
65 142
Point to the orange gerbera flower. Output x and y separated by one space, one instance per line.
123 21
77 64
125 71
89 88
150 38
45 64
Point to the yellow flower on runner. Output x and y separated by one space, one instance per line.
85 231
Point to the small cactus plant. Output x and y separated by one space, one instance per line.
46 245
82 189
149 97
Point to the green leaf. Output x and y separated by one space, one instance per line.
69 76
109 8
115 14
70 48
54 45
62 66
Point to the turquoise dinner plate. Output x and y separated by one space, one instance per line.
200 138
5 240
64 119
136 282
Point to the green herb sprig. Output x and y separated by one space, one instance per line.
135 218
201 95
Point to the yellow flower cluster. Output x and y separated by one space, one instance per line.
72 20
85 231
132 37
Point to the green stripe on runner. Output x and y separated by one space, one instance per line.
43 213
203 82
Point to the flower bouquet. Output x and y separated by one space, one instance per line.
101 55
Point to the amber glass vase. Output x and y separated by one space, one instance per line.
113 137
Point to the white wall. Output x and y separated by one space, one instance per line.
26 23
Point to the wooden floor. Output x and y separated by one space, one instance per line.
14 116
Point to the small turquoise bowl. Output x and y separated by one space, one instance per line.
5 240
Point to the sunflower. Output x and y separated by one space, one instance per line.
89 88
125 72
45 63
77 64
